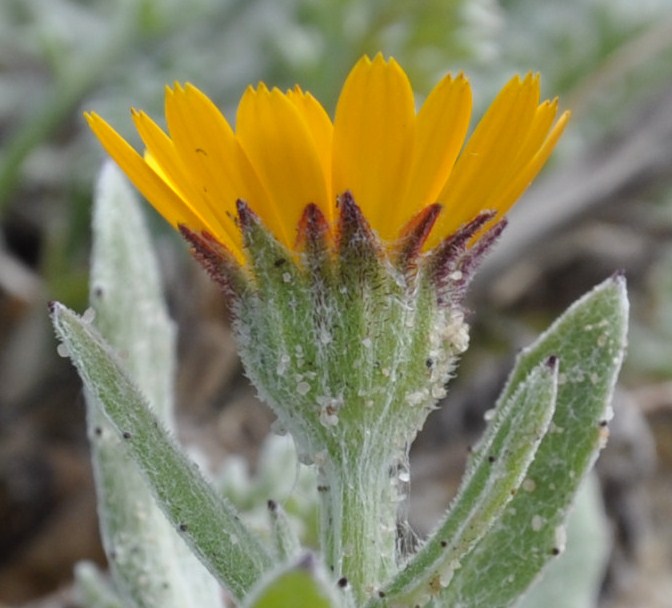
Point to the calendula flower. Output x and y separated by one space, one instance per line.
286 153
346 247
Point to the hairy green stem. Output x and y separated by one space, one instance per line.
359 501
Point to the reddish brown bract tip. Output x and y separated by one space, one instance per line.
455 260
414 235
313 230
217 261
245 215
355 237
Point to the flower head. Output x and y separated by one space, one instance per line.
347 245
286 153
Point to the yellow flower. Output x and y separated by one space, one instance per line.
286 153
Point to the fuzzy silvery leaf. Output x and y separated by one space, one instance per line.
284 537
127 421
150 564
589 340
497 468
575 578
92 588
210 526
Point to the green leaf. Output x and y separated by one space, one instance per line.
210 526
302 585
589 341
575 578
92 589
285 540
150 564
497 469
126 292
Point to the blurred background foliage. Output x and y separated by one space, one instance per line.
604 203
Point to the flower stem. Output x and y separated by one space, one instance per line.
359 520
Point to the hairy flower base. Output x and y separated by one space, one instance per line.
348 335
351 342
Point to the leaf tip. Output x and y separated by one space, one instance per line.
552 362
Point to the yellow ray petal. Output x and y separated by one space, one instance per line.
488 156
154 165
537 134
162 156
320 127
522 149
212 157
525 176
441 127
164 199
286 153
276 139
373 137
493 147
